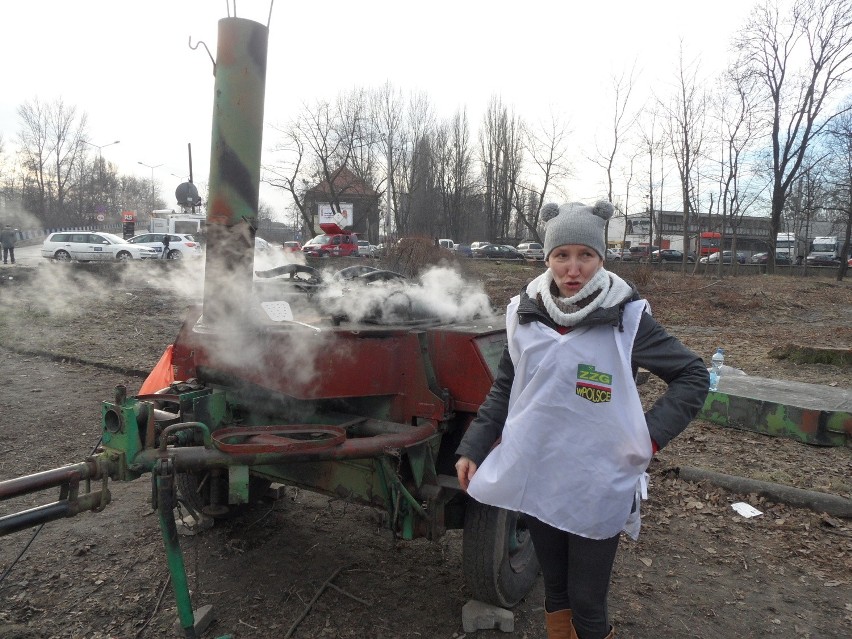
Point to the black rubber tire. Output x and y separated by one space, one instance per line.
174 254
62 256
124 255
499 561
187 490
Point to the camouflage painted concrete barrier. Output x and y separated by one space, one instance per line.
810 413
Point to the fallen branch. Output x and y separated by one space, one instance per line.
817 501
166 583
326 584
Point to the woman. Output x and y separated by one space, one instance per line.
573 440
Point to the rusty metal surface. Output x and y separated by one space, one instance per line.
296 438
65 476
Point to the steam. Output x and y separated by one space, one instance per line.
14 214
439 294
297 350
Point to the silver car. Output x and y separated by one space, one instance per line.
88 246
531 250
181 245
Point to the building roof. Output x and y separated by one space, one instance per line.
345 183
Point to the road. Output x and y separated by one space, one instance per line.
27 256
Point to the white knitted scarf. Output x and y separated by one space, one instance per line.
607 288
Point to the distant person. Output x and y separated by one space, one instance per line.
799 260
165 246
7 238
562 435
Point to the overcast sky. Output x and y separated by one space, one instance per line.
129 67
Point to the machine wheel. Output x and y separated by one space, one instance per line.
187 485
194 490
62 256
124 255
499 561
174 254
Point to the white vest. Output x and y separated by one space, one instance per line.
575 446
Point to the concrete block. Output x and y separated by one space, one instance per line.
189 525
202 618
477 615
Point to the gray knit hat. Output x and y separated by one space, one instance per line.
576 223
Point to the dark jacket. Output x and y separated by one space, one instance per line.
8 237
653 349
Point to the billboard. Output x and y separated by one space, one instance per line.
343 219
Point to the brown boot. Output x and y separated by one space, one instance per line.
559 625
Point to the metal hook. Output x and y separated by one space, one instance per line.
202 43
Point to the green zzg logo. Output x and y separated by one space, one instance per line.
593 385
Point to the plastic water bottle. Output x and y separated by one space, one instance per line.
716 363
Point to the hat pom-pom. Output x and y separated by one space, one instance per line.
603 209
549 211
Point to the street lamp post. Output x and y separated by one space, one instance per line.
156 166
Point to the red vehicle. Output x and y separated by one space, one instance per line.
332 245
709 242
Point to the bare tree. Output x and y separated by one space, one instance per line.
453 174
621 121
736 115
685 130
387 107
318 146
651 143
840 171
67 131
415 175
289 172
799 60
547 147
50 139
33 139
501 151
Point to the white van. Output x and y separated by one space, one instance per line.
447 244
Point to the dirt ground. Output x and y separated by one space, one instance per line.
321 567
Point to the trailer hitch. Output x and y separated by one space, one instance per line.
70 502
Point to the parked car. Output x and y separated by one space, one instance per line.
531 250
365 249
638 253
261 245
762 258
498 252
337 245
446 244
613 255
85 246
713 258
822 260
292 246
181 245
670 255
463 250
478 245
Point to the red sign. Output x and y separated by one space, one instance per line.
129 216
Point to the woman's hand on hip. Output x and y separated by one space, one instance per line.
465 469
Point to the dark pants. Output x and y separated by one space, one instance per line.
165 254
576 573
9 253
